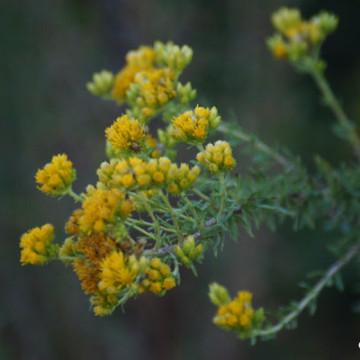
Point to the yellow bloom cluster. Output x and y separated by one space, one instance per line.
137 173
57 176
300 35
217 157
119 271
136 61
125 134
158 278
94 249
151 90
193 125
100 208
37 245
237 314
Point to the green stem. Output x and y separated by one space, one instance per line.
140 229
206 198
192 210
222 193
146 223
173 215
241 135
156 224
333 103
76 197
313 293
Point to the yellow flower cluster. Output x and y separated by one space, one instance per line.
99 209
193 125
37 245
137 173
158 278
136 61
217 157
119 271
125 134
151 90
300 36
57 176
94 249
237 314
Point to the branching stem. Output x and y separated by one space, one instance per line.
243 136
333 103
173 215
313 293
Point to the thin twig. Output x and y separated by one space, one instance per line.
241 135
313 293
333 103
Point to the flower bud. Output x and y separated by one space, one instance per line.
102 83
218 294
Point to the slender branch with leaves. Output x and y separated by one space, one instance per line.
148 215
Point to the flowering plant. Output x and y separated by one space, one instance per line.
147 216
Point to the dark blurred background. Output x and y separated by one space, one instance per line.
49 50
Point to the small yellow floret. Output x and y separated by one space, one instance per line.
191 125
236 314
56 177
101 207
158 277
136 61
37 245
125 134
169 283
117 272
217 157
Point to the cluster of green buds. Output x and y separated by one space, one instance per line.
185 93
297 38
102 83
189 253
173 55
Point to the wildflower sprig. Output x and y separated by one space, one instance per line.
150 213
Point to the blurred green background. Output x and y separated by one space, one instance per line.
49 50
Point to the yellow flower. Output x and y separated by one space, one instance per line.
181 178
143 175
101 207
158 278
117 272
153 89
217 157
194 125
301 36
236 314
125 134
56 177
37 245
136 61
